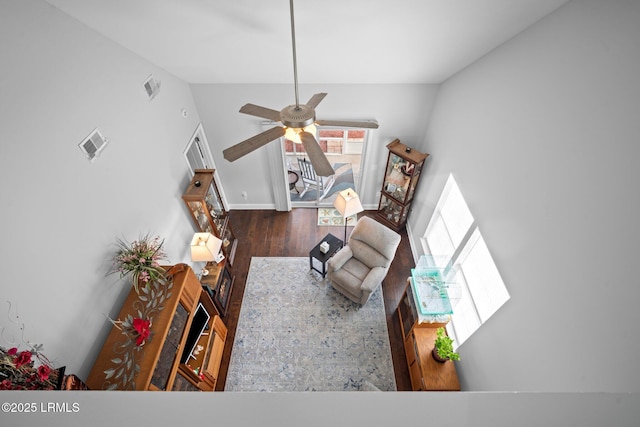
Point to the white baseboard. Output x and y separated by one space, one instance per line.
412 244
252 207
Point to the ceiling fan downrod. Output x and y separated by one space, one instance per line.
295 64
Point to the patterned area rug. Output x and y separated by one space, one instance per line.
344 180
331 216
296 333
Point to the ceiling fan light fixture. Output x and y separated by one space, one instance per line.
293 134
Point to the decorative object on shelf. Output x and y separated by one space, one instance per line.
19 370
206 247
208 212
347 203
141 260
443 347
399 185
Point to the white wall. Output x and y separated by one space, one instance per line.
542 137
402 111
59 213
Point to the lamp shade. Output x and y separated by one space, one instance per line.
348 203
205 247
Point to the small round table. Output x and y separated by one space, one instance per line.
293 178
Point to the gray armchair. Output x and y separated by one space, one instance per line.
358 269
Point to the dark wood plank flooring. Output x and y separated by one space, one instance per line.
268 233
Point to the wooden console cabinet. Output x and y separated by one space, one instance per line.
419 335
184 349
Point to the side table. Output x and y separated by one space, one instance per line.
218 284
335 245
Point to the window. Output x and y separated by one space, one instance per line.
333 142
453 234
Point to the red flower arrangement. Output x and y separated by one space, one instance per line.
143 328
134 328
18 371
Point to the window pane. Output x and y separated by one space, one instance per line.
331 133
464 320
482 276
456 214
355 135
438 238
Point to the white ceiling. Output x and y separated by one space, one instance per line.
338 41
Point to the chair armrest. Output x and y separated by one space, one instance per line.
339 259
373 279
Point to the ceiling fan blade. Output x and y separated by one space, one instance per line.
315 100
258 111
347 123
248 145
317 157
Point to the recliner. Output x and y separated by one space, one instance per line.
358 269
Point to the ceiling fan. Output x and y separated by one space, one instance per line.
298 124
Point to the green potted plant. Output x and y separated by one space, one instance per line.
140 259
443 347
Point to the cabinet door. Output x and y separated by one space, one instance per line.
406 309
214 355
397 178
200 216
166 360
392 211
181 383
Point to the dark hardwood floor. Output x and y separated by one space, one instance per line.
268 233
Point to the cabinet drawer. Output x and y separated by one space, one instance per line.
416 376
410 349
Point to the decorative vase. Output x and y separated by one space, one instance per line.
437 357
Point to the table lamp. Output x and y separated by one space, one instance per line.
206 247
347 203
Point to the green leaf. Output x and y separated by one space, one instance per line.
109 373
117 361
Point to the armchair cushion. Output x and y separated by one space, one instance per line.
339 259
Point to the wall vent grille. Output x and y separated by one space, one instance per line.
93 145
151 87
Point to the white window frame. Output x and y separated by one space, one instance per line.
453 229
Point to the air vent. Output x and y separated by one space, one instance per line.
152 87
92 145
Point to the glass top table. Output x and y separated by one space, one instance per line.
430 291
